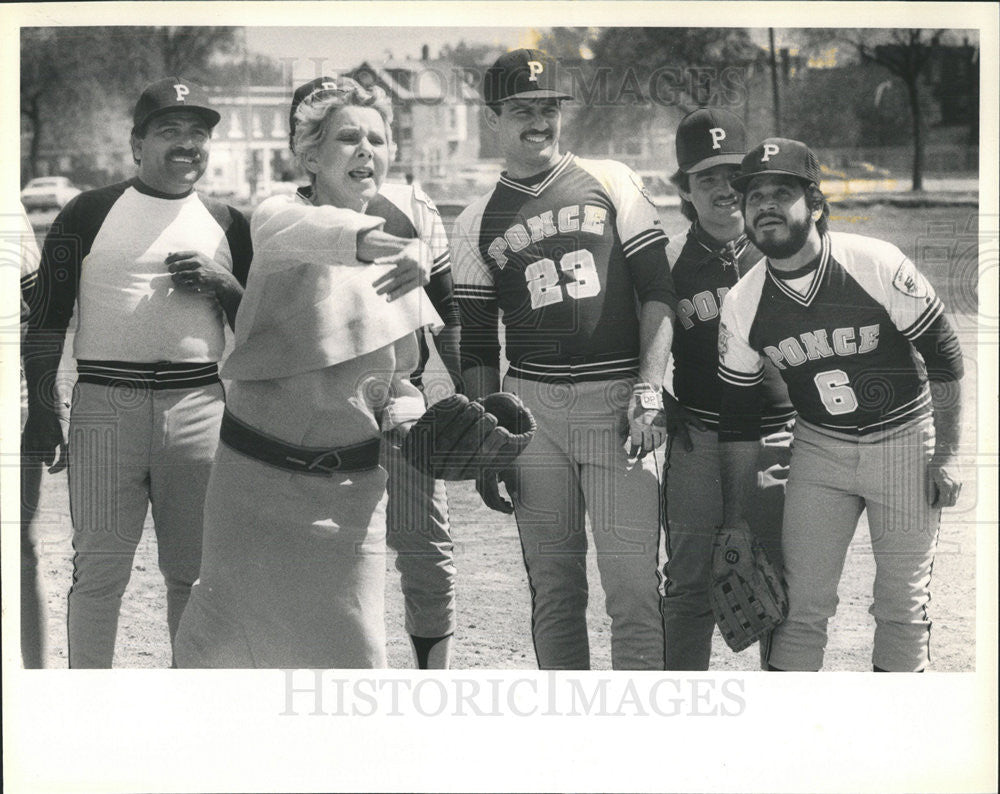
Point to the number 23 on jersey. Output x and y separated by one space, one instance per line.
543 278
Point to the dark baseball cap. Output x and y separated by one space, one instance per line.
708 137
778 156
306 90
172 93
522 74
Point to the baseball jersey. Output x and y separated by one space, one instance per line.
841 335
564 255
106 249
410 213
703 272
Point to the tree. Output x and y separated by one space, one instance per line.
475 57
905 54
75 80
251 70
634 72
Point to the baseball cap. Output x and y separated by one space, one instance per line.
778 156
522 74
708 137
305 90
172 93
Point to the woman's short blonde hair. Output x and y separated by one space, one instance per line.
313 111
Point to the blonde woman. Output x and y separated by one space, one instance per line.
293 564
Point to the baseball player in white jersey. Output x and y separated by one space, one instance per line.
843 318
418 526
705 264
156 269
572 253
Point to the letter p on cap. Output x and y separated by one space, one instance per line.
718 135
770 149
182 91
535 68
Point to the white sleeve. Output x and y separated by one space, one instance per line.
471 275
909 297
430 227
739 363
886 274
303 232
637 221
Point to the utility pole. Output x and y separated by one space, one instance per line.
775 93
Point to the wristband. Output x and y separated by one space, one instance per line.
649 398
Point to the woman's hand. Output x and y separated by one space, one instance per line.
412 270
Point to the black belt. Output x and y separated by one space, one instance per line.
158 375
578 369
304 460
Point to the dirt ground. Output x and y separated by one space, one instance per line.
493 595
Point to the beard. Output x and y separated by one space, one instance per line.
798 233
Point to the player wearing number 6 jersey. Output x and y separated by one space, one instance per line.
572 253
842 317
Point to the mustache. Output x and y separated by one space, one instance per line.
546 133
765 215
181 152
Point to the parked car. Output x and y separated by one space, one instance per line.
661 190
44 192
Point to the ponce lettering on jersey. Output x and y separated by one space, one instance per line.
702 306
571 218
817 344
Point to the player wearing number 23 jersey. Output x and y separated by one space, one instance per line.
572 252
872 367
563 257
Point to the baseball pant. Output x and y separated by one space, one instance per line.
32 598
576 468
131 448
293 571
419 533
832 480
693 495
33 612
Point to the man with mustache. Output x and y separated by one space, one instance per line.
572 252
157 270
705 264
873 369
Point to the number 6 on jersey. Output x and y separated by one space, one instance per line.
835 391
542 278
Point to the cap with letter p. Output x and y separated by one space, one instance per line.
314 88
708 137
522 74
172 93
778 156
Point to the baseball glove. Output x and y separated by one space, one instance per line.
458 440
748 594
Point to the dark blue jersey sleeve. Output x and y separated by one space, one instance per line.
941 351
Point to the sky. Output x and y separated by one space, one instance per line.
340 48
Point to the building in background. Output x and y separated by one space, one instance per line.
436 115
852 113
250 153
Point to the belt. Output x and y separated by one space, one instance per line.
578 369
303 460
157 375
